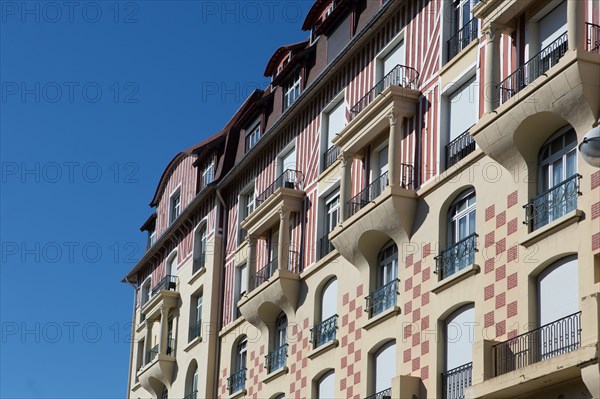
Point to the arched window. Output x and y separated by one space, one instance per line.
558 181
165 394
172 264
170 280
237 380
386 291
459 336
325 330
385 369
199 249
276 359
461 247
326 386
192 382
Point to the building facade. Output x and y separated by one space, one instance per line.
404 212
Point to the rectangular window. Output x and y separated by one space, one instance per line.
151 238
292 91
241 283
208 173
339 38
333 123
463 109
247 205
252 136
175 206
332 212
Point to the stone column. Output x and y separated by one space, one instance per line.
283 247
148 342
251 268
492 68
576 24
164 333
394 156
345 185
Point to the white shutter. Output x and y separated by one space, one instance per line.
336 122
553 25
383 161
329 300
459 337
463 109
385 368
326 387
558 290
393 58
289 160
243 280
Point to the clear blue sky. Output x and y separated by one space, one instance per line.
96 98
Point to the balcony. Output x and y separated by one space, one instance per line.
237 382
553 339
164 294
457 257
274 286
159 367
323 332
385 394
463 38
276 359
554 354
325 246
330 156
284 193
537 65
553 203
382 299
456 380
459 148
592 38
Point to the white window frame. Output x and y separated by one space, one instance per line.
338 100
388 48
175 205
172 260
241 354
253 135
245 206
208 174
292 90
454 216
387 260
147 283
331 199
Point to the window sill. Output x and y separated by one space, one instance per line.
458 56
312 268
323 348
137 385
197 275
572 217
140 327
231 326
237 394
456 278
270 377
381 317
192 343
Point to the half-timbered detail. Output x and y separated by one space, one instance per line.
402 212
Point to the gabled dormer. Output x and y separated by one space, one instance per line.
288 68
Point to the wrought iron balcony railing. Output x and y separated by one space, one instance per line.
168 283
330 156
456 257
463 38
288 179
553 339
325 246
195 330
324 332
192 395
382 298
263 274
592 37
375 189
553 203
367 195
459 148
385 394
199 262
276 360
151 354
237 381
533 69
456 380
401 75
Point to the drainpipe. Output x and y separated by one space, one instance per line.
222 294
134 285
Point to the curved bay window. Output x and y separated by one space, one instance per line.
558 181
386 292
462 238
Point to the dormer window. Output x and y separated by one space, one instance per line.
151 238
292 91
208 174
253 135
175 206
